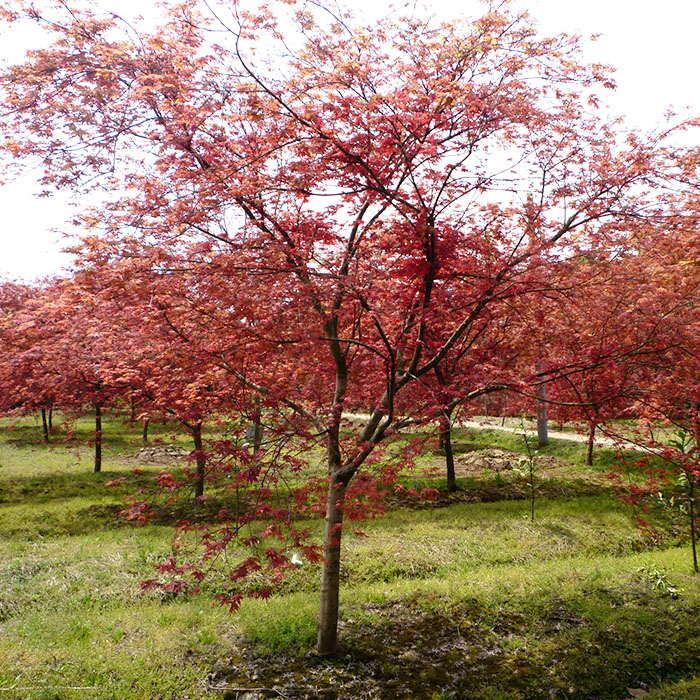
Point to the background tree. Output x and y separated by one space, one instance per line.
27 385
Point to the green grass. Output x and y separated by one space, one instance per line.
460 599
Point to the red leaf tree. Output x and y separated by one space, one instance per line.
375 191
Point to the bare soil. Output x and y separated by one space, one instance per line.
159 454
487 461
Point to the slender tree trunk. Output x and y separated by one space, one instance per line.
327 642
330 575
542 436
144 435
44 425
446 440
589 452
446 429
692 524
98 438
257 441
199 458
257 429
50 418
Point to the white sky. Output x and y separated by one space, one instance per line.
653 45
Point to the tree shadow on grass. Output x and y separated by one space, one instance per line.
61 485
403 649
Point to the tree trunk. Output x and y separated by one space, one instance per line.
257 440
144 435
98 438
327 642
589 452
330 575
44 425
257 429
692 524
50 418
446 440
542 436
199 458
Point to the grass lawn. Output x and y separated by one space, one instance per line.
463 598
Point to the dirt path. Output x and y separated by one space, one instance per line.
494 424
483 422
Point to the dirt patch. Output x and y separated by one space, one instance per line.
496 474
489 461
495 460
159 454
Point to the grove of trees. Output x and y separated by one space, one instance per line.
301 217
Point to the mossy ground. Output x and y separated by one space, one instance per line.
464 597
